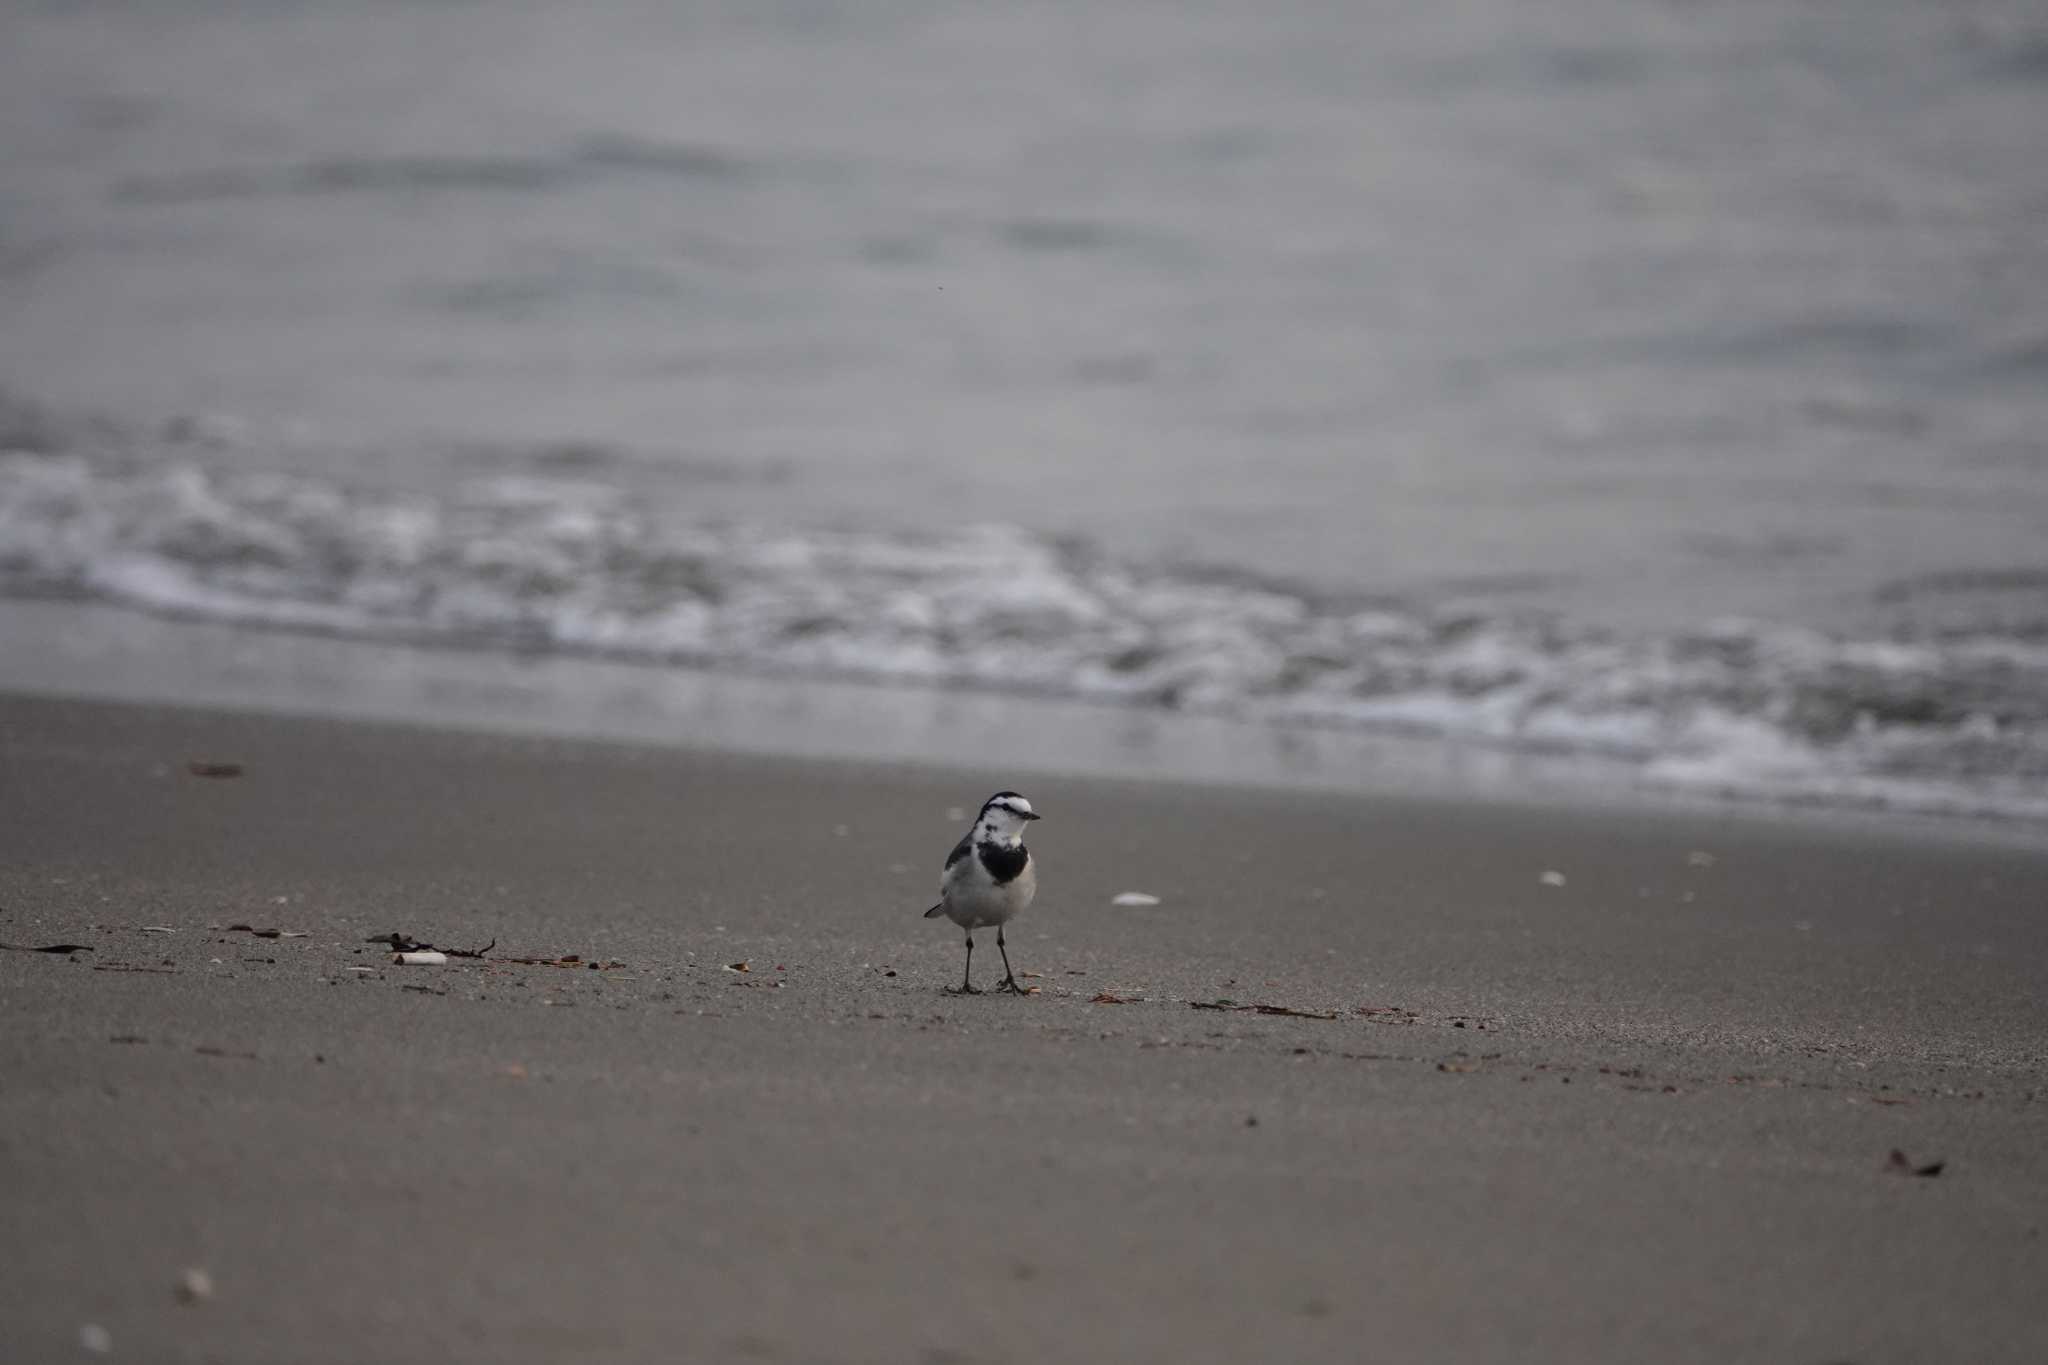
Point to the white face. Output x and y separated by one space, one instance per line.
1005 816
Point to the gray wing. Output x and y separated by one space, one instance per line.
960 850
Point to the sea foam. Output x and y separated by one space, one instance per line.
1955 724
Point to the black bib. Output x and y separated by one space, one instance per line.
1003 863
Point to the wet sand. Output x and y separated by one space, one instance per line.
1642 1115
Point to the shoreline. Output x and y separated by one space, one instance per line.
106 653
1491 1099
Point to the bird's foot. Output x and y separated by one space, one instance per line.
963 990
1010 985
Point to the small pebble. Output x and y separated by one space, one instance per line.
195 1286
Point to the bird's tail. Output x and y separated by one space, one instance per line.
936 911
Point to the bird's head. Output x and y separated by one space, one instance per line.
1003 817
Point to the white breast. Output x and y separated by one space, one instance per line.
974 900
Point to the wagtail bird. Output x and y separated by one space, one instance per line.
988 878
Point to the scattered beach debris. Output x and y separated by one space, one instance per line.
739 966
365 971
1235 1007
426 957
156 929
565 960
1699 858
1133 898
209 1050
426 990
1457 1066
1552 877
194 1286
202 768
1031 976
65 948
1390 1014
1898 1164
264 933
131 967
406 943
95 1338
1107 998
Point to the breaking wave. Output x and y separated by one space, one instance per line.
1950 724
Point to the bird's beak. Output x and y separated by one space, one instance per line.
1031 815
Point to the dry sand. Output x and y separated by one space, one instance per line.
1643 1115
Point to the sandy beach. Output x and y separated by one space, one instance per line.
1549 1084
1505 542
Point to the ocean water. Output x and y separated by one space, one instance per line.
1664 382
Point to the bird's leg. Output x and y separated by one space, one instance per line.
967 977
1009 977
